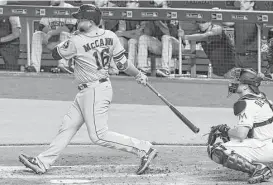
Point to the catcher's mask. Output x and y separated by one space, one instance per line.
244 76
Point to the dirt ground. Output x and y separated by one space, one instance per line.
174 165
182 165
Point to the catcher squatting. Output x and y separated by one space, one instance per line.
249 145
244 148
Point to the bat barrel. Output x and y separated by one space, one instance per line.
175 111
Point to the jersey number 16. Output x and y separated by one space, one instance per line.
102 58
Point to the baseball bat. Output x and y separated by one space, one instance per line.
174 110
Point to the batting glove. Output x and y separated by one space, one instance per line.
141 78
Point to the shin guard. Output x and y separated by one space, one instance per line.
231 160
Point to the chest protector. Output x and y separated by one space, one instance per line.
240 105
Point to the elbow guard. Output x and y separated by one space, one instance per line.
122 66
121 62
55 54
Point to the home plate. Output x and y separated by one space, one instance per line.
71 181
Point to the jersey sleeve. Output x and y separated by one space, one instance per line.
246 117
67 49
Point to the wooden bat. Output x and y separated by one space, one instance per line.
175 111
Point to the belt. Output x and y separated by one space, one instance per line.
85 85
255 125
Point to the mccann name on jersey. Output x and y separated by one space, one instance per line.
98 43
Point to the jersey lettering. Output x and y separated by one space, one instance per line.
259 102
242 116
98 43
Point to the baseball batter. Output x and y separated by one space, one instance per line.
250 144
92 49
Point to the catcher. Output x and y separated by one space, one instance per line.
248 146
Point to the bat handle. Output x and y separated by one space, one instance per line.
151 87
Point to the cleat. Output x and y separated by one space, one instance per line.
146 160
32 163
261 174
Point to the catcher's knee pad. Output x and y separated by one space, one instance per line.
229 159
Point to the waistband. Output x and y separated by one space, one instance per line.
86 85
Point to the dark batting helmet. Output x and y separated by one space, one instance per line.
245 76
89 12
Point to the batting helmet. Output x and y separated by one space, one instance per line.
89 12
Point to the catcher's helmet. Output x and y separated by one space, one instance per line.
88 11
245 76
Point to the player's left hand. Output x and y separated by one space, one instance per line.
218 131
141 78
223 128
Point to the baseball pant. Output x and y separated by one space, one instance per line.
10 54
130 46
170 47
38 39
252 149
147 43
91 107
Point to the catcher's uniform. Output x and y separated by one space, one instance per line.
256 113
92 53
39 38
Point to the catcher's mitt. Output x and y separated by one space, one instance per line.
218 131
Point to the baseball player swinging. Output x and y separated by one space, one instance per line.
249 145
92 49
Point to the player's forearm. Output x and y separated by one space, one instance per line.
130 34
131 70
10 37
236 134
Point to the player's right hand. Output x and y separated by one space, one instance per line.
141 78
